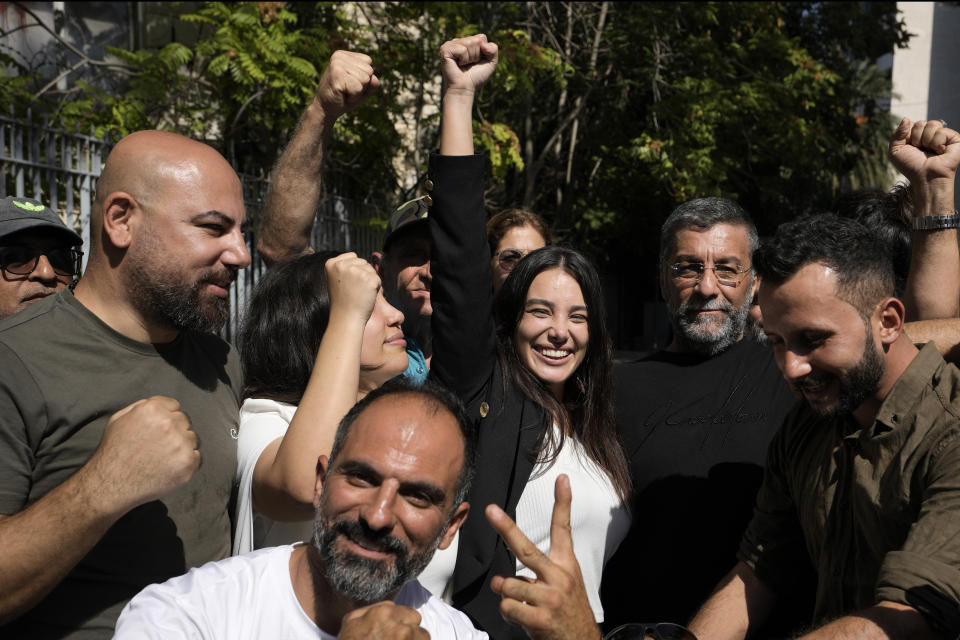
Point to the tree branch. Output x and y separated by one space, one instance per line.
73 49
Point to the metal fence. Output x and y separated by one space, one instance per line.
60 168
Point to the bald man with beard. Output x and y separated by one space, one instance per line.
113 394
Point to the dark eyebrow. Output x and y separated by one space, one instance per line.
579 307
220 217
545 303
434 494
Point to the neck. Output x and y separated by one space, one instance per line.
317 597
103 297
898 357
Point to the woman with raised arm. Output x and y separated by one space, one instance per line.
318 335
534 374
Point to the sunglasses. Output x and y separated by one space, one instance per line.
508 258
659 631
21 261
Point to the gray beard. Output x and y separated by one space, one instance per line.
702 336
366 580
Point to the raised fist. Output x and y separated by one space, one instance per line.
925 151
353 284
147 450
467 63
383 620
345 83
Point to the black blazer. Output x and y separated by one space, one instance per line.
509 425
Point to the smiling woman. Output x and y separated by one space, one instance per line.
534 375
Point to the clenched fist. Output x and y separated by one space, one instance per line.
345 83
383 620
147 450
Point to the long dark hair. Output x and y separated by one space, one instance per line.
586 409
282 329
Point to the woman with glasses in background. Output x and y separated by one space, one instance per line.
512 234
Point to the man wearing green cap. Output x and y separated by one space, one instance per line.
39 255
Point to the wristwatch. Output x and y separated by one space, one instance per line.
935 223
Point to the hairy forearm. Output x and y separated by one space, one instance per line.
933 284
41 544
294 195
285 477
885 621
740 603
945 334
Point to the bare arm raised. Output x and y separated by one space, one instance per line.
287 217
467 63
147 450
285 475
928 153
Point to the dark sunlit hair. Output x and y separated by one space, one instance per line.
283 326
587 406
887 214
501 223
864 270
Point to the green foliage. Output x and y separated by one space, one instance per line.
601 116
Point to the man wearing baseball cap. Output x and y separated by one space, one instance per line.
286 222
39 254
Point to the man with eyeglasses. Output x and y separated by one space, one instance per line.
39 255
695 420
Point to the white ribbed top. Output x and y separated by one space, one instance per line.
598 520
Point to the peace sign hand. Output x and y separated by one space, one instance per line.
555 605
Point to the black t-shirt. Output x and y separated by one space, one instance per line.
695 431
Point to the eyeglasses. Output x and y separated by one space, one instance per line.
690 273
21 261
659 631
508 258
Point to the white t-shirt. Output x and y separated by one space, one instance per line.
598 520
261 422
251 597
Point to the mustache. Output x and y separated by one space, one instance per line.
362 534
697 303
220 277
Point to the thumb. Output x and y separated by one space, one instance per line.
899 136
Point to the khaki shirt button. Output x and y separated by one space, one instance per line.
484 409
427 200
428 184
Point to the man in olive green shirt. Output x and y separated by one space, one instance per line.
864 476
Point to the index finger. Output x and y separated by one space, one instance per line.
561 537
520 544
